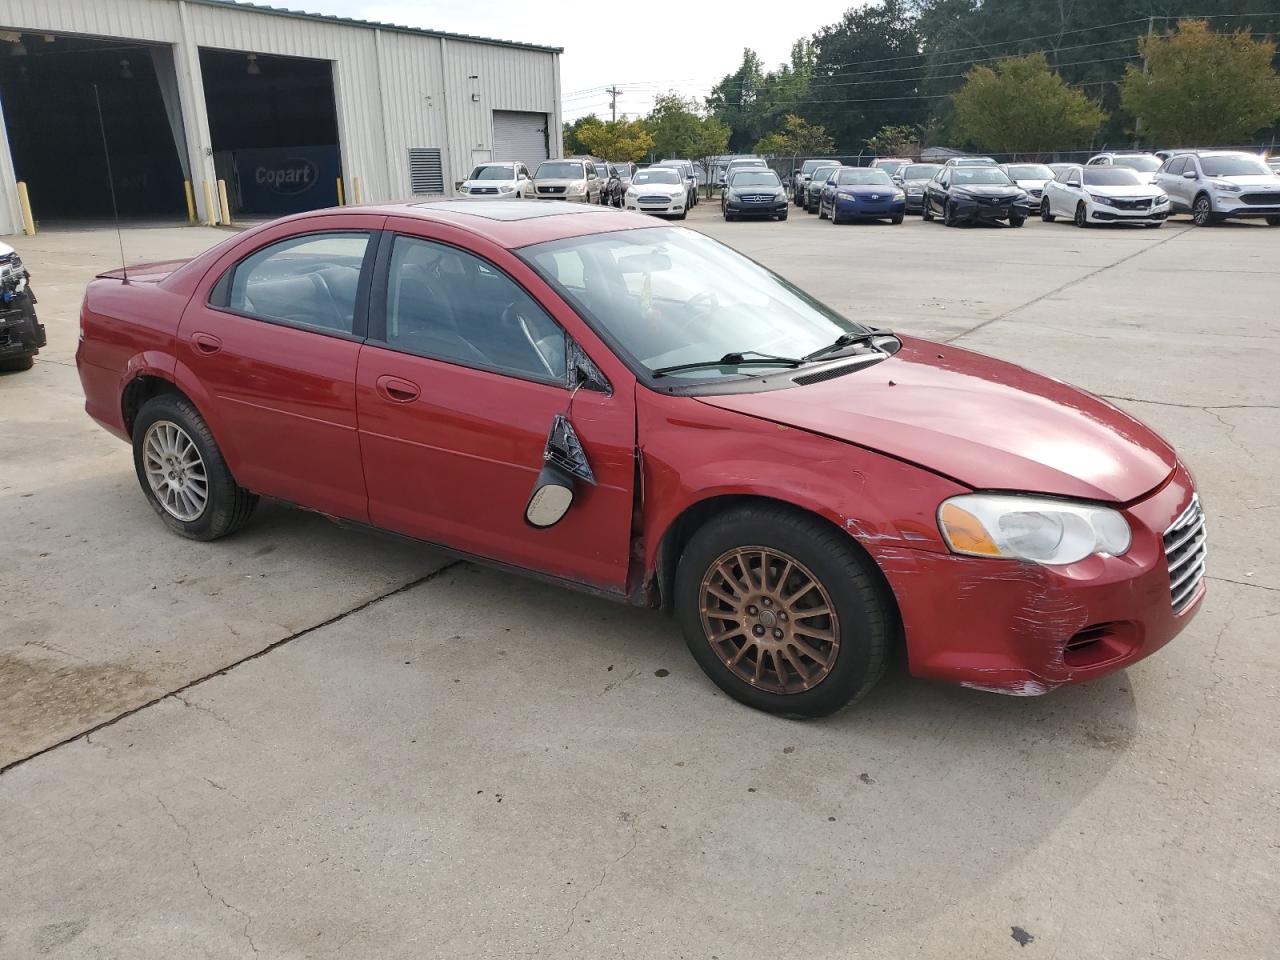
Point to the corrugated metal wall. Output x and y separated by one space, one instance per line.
394 90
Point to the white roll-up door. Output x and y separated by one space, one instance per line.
520 136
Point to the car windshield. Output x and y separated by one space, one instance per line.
666 296
963 175
1141 164
1110 177
1030 171
868 177
811 165
890 166
493 173
822 173
754 178
656 175
560 170
920 171
1240 166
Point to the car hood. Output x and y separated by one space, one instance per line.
1138 190
1031 184
488 183
988 189
989 424
557 182
672 189
867 189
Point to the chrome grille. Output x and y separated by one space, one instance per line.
655 199
484 190
1261 199
756 197
1185 548
1132 204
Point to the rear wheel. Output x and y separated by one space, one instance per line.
1046 211
782 612
182 473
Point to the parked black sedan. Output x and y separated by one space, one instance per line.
975 194
753 192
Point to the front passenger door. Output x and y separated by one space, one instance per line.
457 388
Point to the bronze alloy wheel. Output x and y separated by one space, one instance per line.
769 619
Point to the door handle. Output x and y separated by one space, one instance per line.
397 390
206 343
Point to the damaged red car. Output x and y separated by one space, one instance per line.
634 409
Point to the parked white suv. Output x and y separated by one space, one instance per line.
1215 185
574 180
1145 163
505 181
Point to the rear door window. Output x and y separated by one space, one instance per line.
312 281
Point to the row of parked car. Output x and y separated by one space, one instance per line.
668 188
1115 187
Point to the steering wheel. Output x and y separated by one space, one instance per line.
701 304
511 318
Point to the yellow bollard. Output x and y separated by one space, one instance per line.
24 201
211 217
223 207
355 190
191 201
340 203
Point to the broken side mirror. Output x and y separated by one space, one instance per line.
564 463
584 373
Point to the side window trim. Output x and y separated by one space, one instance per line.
378 305
219 298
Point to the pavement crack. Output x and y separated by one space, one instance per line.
1245 583
221 671
195 868
1061 287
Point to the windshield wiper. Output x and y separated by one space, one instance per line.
743 358
846 340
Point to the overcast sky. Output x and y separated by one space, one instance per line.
686 51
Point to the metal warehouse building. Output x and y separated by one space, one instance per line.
291 111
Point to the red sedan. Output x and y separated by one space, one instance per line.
634 409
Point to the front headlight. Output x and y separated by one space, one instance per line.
848 194
1225 187
1105 201
506 188
899 195
1161 199
1050 532
576 188
915 189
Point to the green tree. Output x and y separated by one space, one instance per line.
572 144
1020 106
616 140
679 129
798 138
739 103
1203 87
902 140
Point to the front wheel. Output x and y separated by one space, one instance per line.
1202 212
1082 215
822 211
1273 221
17 364
782 611
926 212
948 214
1046 211
1015 221
897 218
182 473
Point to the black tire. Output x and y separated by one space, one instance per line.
926 212
948 214
1273 221
863 613
822 211
1081 219
1045 215
682 214
228 506
1017 221
782 217
1202 211
897 218
17 364
729 217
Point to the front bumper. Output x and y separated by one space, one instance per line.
567 198
914 202
20 332
967 209
771 208
1100 213
869 209
667 208
1024 629
1232 207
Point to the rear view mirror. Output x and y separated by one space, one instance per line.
551 498
564 462
644 263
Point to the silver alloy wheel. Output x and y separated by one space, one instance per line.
175 471
1203 212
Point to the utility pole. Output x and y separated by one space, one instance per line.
1137 122
613 101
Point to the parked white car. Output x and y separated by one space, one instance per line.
504 181
1103 194
659 190
1144 163
1216 185
970 162
1031 177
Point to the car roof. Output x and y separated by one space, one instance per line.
507 224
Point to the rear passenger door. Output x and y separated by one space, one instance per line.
272 341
